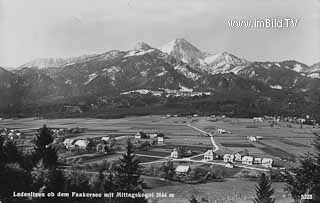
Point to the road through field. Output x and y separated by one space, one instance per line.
216 147
199 161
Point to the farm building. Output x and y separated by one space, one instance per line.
257 160
68 143
152 135
105 139
228 158
248 160
229 165
252 138
222 131
257 119
267 162
181 169
81 144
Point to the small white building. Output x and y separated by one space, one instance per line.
247 160
105 139
160 140
258 119
257 160
228 158
181 169
222 131
152 135
137 136
81 144
267 162
68 143
208 155
174 154
252 138
238 156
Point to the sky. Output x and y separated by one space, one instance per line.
32 29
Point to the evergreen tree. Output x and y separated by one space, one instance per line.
98 183
128 176
77 182
193 199
264 190
167 170
13 178
305 179
43 148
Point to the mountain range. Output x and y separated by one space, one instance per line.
172 66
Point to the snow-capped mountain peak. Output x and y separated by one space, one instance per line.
183 51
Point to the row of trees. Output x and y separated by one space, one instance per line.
39 172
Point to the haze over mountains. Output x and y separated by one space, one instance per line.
173 66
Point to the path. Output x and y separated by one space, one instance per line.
216 147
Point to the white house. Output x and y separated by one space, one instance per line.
238 156
160 140
208 155
228 158
248 160
257 160
81 144
181 169
267 162
68 143
174 154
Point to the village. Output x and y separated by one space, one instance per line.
183 92
158 145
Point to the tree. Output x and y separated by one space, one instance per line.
44 149
264 190
13 178
128 176
193 199
167 170
305 178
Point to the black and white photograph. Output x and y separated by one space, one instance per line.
159 101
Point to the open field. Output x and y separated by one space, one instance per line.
231 191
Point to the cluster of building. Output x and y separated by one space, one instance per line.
254 138
99 145
179 152
223 131
158 136
247 160
76 144
184 92
10 134
298 120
